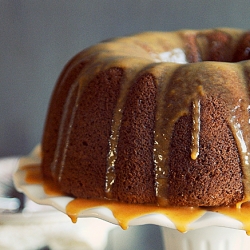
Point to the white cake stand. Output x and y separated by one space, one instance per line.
34 226
212 231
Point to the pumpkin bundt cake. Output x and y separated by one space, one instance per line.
158 117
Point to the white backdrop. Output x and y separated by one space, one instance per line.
39 37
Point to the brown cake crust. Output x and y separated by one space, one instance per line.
215 176
219 46
83 175
55 112
147 119
243 48
135 163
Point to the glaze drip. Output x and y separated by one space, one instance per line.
113 141
57 164
196 129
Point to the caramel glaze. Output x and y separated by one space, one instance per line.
124 212
175 70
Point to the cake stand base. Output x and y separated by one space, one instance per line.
209 238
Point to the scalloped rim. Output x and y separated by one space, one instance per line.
36 193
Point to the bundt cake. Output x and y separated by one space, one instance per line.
156 118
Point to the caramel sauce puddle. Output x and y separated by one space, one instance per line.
124 213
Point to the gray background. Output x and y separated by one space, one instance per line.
39 37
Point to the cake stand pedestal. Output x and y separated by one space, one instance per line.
208 238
